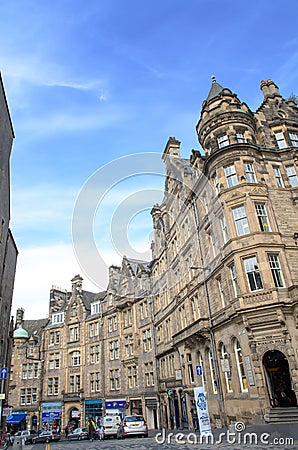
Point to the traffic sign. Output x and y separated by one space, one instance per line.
3 373
199 370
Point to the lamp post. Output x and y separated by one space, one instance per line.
221 404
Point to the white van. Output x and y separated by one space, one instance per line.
111 424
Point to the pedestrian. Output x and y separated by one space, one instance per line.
101 433
91 429
66 430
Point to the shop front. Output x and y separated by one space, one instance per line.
117 406
136 406
16 421
51 415
151 413
93 408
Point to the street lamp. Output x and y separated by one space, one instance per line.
221 405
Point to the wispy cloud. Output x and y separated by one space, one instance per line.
75 121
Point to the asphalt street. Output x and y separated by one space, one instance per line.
259 441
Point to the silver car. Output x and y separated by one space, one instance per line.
132 426
26 436
78 433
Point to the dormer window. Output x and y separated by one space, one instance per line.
58 318
280 139
95 308
223 141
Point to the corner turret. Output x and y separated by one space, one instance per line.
224 121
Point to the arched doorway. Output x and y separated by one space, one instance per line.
279 380
74 418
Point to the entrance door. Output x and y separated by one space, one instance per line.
74 418
279 380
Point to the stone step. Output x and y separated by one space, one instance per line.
281 415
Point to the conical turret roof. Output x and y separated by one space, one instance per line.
215 89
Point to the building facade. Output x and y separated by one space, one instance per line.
8 249
217 306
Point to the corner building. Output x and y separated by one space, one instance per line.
224 264
219 295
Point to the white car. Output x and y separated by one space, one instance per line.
110 424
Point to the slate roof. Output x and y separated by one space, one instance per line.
34 325
215 89
136 263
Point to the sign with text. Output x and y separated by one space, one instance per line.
202 410
249 371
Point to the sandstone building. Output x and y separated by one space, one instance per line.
8 249
220 293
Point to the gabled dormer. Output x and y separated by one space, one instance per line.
276 119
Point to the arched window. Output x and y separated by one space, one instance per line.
212 372
226 368
240 366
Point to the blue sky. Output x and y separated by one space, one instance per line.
90 82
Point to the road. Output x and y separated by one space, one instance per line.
152 443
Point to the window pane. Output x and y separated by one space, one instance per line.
223 141
292 176
253 274
280 139
294 139
276 270
262 216
278 177
240 220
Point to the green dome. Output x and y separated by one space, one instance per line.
20 333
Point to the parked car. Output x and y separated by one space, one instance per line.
26 436
78 433
46 436
132 426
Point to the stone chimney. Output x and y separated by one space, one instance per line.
172 148
269 88
19 316
76 285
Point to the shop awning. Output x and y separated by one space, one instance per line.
15 418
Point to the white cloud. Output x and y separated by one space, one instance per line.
39 268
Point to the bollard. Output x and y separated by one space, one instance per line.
17 443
